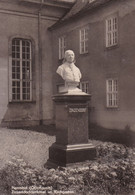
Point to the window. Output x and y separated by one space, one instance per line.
84 86
60 87
112 93
112 31
62 47
21 70
84 40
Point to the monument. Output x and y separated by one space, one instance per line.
71 112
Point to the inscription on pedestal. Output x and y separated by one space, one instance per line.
77 109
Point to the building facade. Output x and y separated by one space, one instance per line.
34 35
102 35
26 60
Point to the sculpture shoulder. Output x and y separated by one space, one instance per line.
77 68
61 70
63 66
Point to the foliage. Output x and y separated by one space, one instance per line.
112 173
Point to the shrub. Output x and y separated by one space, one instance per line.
112 173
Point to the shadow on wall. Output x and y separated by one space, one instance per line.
20 114
126 136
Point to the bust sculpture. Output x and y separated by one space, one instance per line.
70 72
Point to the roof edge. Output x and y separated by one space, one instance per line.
78 14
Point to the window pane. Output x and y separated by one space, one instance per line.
28 50
17 42
13 55
26 90
23 49
23 43
28 56
23 55
27 43
17 55
16 90
18 49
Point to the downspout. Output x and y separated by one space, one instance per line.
40 65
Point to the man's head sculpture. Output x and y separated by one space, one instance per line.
69 72
69 56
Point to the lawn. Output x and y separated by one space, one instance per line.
24 153
31 145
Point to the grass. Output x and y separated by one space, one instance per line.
30 145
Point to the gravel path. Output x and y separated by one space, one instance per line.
31 146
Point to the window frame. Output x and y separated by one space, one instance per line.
21 80
112 96
83 40
112 34
62 46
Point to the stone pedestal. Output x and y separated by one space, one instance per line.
71 146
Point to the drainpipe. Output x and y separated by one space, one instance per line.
40 65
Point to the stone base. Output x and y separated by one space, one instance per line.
60 155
